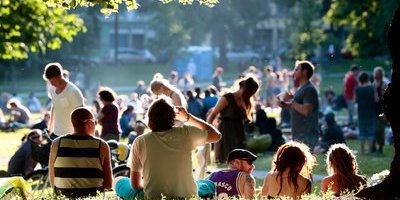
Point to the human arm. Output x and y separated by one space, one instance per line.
134 163
52 158
304 109
51 120
265 189
213 134
308 99
100 117
106 165
136 180
221 104
249 186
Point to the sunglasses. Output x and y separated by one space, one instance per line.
250 162
91 120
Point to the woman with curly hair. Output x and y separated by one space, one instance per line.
342 168
290 175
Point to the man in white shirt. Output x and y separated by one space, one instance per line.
65 98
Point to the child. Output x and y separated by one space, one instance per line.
342 169
290 175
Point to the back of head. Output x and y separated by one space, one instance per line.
330 119
354 68
290 156
106 94
189 94
295 157
157 83
52 70
363 77
342 162
250 85
306 65
79 116
161 114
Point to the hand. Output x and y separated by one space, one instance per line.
285 104
181 114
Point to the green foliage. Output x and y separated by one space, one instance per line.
365 23
30 26
110 6
304 27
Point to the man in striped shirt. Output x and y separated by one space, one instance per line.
80 164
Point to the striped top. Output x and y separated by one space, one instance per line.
77 168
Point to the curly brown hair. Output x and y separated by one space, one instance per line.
161 114
296 157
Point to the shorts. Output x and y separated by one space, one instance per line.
367 132
124 189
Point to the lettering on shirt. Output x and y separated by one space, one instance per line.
224 185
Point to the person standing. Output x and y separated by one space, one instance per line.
366 106
350 84
380 87
65 97
303 106
233 109
109 115
80 164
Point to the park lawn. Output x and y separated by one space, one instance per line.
368 164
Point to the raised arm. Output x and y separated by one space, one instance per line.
213 134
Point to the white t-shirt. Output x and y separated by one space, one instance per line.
166 162
63 104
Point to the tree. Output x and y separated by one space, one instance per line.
387 188
109 6
365 23
30 26
228 22
303 26
37 25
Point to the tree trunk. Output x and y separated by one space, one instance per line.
389 189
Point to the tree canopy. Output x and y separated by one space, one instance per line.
30 26
364 22
37 25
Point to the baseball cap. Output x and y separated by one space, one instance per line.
205 188
241 154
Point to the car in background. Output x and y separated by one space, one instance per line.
130 55
238 55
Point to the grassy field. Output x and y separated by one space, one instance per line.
28 79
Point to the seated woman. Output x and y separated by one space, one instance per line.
342 168
290 175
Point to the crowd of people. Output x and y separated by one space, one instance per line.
166 121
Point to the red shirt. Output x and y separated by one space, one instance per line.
350 83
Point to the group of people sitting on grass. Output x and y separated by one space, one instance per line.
161 163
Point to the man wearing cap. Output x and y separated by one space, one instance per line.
236 181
